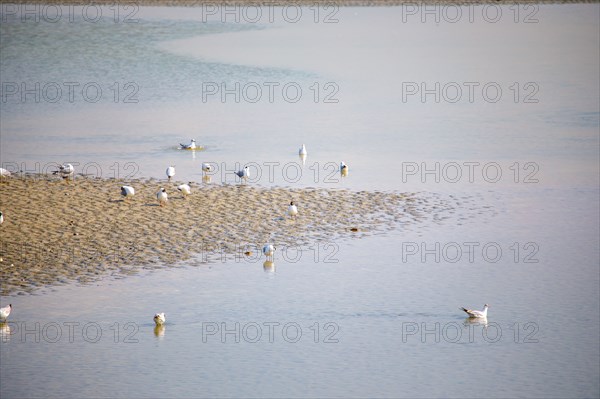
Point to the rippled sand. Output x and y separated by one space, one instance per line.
59 232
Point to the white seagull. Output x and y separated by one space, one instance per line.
5 311
66 171
162 197
269 251
185 189
206 167
170 172
1 218
477 313
127 191
4 172
292 210
343 169
159 319
190 146
244 173
303 151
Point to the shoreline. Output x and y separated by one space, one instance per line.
56 232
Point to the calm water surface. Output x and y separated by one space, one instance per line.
371 317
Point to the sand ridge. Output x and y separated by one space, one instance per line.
58 232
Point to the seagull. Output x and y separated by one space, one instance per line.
269 251
1 218
66 171
343 169
5 311
292 210
477 313
302 151
162 197
4 172
159 319
127 191
190 146
244 173
185 189
170 172
206 167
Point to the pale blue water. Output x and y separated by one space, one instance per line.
383 320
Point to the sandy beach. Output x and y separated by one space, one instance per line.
58 232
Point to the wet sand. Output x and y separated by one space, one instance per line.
59 232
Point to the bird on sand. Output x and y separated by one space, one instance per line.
162 197
185 189
127 191
292 210
65 171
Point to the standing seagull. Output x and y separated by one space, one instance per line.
303 151
162 197
5 311
185 189
1 218
477 313
269 251
190 146
244 173
343 169
127 191
66 171
292 210
159 319
206 167
170 172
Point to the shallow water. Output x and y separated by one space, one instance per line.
386 307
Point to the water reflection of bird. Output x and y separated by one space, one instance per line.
190 146
269 251
159 330
159 319
269 266
476 321
477 313
5 311
4 331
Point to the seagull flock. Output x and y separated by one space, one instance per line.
67 172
